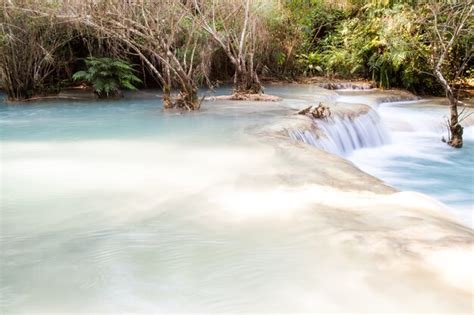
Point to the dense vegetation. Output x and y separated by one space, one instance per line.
184 44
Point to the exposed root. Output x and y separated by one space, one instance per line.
456 136
182 102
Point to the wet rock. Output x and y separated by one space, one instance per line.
320 112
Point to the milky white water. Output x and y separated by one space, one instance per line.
400 142
120 207
416 159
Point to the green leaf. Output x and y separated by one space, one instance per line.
80 75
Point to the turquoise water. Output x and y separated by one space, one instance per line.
123 119
450 179
417 159
105 205
121 207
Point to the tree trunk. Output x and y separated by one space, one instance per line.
19 93
192 99
246 82
167 102
455 129
186 99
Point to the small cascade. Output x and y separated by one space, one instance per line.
347 86
342 134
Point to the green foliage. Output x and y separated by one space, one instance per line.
388 41
316 19
378 40
311 63
108 75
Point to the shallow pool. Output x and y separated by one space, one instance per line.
120 207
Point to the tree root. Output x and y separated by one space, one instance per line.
182 102
456 136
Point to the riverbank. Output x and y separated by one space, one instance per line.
84 93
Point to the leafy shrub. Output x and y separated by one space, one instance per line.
379 41
32 56
108 75
311 63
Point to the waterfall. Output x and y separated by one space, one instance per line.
342 134
347 86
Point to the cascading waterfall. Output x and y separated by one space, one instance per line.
342 134
347 86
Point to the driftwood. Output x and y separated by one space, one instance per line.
305 110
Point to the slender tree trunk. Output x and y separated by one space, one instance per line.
246 80
455 21
455 129
167 102
192 98
237 48
246 83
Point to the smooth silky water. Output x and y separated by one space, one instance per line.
110 204
118 206
400 142
416 158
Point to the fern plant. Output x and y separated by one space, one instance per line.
310 62
108 75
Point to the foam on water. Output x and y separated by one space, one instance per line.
416 159
342 135
410 156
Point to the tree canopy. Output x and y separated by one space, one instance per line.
180 45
